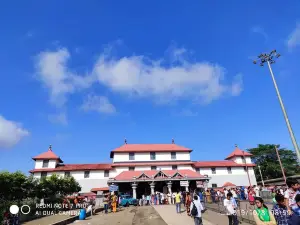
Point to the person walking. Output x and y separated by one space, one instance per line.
280 211
114 203
188 200
230 209
178 202
196 209
105 203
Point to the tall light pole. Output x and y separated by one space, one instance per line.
281 167
269 58
262 179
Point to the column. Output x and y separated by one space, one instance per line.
170 187
152 186
187 187
134 186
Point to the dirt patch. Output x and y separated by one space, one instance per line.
147 215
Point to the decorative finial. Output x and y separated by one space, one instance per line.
173 141
50 148
125 141
235 145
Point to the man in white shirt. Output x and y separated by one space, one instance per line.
291 193
256 190
230 210
197 217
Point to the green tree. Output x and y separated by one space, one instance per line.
54 186
265 156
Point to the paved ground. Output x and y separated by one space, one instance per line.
146 215
168 213
49 219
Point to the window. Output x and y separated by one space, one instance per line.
131 156
153 167
43 174
243 159
106 173
131 168
174 167
198 170
152 156
173 155
214 185
86 174
45 163
213 170
229 170
67 174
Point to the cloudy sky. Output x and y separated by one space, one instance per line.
83 76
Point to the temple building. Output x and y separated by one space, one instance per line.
146 168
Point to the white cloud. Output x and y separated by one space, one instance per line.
11 133
98 103
261 31
60 118
53 72
138 76
293 40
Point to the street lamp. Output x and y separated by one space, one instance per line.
270 58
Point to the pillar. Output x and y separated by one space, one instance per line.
170 187
134 186
152 186
187 187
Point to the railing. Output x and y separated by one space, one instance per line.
244 209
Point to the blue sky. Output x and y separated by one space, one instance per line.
82 76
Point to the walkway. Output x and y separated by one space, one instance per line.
169 215
145 215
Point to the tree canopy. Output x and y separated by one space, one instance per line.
265 156
15 187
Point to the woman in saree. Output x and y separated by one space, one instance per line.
114 203
188 200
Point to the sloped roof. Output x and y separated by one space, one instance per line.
47 155
129 175
151 148
221 163
100 189
229 184
238 152
75 167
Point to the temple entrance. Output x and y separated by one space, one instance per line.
143 188
161 187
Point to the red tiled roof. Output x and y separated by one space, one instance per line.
152 163
74 167
128 175
151 148
47 155
224 163
229 184
100 189
238 152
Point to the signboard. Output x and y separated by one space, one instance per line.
184 183
113 188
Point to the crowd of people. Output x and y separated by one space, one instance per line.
285 210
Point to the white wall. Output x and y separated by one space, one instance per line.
39 164
145 156
238 159
238 177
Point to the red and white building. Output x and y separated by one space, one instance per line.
151 167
